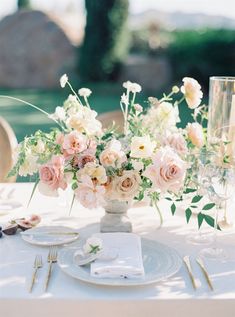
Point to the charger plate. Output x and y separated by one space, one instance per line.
160 262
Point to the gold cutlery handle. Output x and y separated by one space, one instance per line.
33 279
48 275
190 273
204 271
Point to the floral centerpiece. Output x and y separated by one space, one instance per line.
150 160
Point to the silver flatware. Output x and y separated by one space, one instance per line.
51 258
204 271
186 260
37 265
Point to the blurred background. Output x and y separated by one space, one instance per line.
101 43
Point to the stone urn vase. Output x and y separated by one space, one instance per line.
116 218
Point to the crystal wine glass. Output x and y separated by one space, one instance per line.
218 180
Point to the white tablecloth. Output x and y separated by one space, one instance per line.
69 297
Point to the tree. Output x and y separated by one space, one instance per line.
106 39
23 4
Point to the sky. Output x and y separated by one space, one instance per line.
213 7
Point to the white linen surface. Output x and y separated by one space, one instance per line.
127 264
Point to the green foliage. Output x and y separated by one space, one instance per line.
200 54
106 39
23 4
188 214
173 209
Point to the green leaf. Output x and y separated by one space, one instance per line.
196 199
173 209
188 214
200 218
210 221
208 206
168 198
189 190
193 206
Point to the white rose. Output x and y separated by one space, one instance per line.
142 147
132 87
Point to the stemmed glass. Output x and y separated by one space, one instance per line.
217 179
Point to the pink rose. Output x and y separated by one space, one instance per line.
177 142
192 92
52 176
74 143
89 194
195 134
167 171
85 157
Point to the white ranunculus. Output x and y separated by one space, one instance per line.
85 121
84 92
160 117
63 80
59 114
95 171
132 87
142 147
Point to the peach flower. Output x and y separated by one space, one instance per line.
192 92
195 134
74 143
167 171
113 155
89 194
52 176
124 187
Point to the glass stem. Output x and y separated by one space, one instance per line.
216 225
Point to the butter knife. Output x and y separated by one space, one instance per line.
187 263
204 271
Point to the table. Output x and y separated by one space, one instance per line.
69 297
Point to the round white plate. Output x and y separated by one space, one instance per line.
44 236
160 262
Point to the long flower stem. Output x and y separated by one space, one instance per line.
74 92
31 105
159 213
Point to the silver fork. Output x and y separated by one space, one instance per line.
37 265
51 258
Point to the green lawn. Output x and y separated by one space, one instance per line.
26 120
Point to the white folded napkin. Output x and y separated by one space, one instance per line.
127 264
